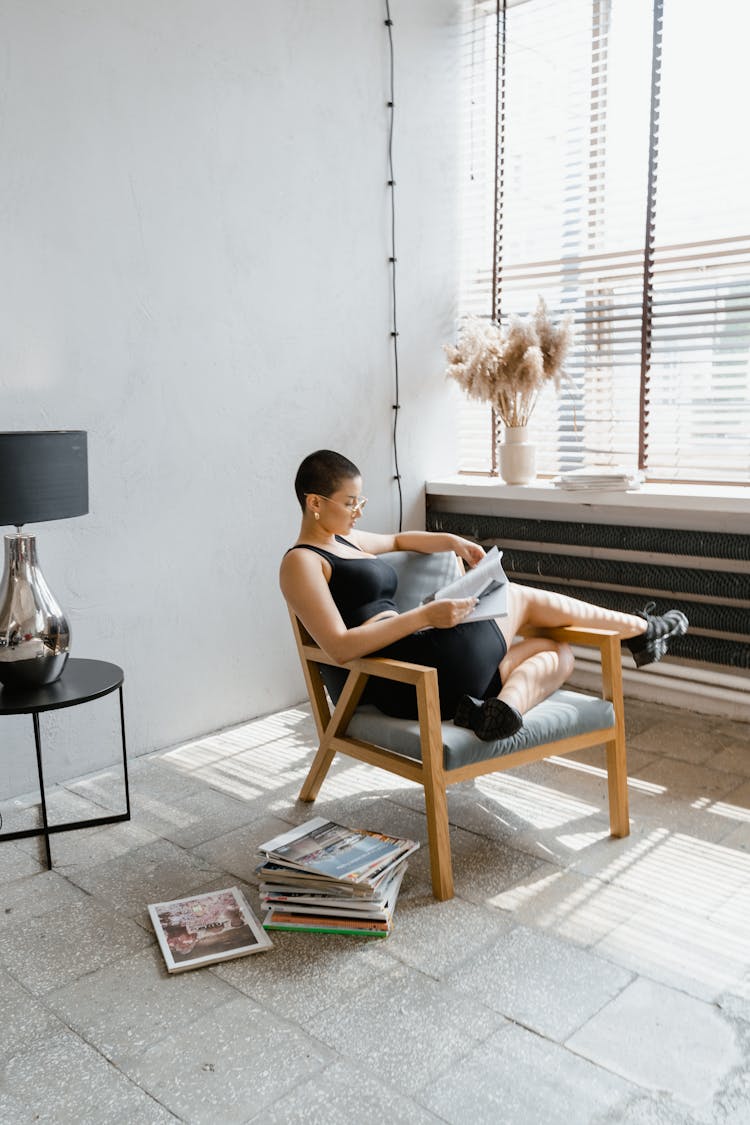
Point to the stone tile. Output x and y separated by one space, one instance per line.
304 973
24 899
686 736
738 1007
484 869
733 916
228 1069
66 1082
540 981
463 927
667 943
66 943
86 847
576 907
738 838
735 730
596 757
193 819
23 1019
739 797
237 851
15 862
663 1040
640 713
672 868
62 807
144 1003
341 1095
11 1110
652 1109
685 782
517 1078
734 758
409 1025
157 872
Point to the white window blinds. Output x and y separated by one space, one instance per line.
605 118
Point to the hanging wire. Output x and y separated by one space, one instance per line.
391 182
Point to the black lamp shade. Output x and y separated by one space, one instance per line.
43 476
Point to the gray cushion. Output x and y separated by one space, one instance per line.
420 575
564 714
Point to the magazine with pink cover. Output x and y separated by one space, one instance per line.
206 928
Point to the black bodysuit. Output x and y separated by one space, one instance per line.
466 656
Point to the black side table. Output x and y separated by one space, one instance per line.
81 681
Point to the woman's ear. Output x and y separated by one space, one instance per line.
313 505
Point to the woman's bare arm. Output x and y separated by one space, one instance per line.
305 587
428 542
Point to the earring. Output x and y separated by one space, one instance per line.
317 515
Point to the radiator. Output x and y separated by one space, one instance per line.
706 574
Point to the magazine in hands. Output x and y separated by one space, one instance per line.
486 581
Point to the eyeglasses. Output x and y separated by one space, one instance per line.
357 505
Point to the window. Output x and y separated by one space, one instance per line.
605 169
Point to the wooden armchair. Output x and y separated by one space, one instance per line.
436 755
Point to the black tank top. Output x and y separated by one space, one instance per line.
359 587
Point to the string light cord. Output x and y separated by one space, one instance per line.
391 182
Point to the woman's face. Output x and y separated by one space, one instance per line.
340 511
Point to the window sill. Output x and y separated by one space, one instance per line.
725 507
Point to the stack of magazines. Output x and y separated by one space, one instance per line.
325 878
600 478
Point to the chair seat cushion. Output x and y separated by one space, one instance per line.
564 714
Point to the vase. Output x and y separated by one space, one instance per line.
517 456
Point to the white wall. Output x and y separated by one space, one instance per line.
195 230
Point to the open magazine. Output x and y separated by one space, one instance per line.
486 581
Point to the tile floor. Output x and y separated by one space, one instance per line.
573 979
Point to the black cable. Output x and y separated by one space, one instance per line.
394 330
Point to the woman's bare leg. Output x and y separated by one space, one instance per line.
529 606
532 670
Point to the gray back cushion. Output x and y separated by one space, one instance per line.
420 575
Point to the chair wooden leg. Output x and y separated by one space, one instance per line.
438 835
317 773
337 724
617 784
435 796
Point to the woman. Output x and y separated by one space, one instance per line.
334 581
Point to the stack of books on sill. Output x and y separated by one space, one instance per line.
596 478
324 878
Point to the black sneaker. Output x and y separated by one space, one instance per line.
490 719
650 646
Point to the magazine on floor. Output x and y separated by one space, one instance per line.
206 928
323 847
486 581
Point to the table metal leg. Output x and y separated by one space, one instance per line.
38 744
124 755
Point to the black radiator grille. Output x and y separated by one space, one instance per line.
714 595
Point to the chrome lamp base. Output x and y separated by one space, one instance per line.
34 634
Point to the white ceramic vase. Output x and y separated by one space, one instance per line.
517 456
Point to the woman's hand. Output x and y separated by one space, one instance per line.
470 552
444 613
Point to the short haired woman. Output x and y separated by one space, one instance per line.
335 582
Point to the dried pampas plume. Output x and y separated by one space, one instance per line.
509 368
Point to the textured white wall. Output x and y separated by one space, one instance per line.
195 226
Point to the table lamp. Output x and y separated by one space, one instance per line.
43 476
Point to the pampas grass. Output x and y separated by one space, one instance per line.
509 368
